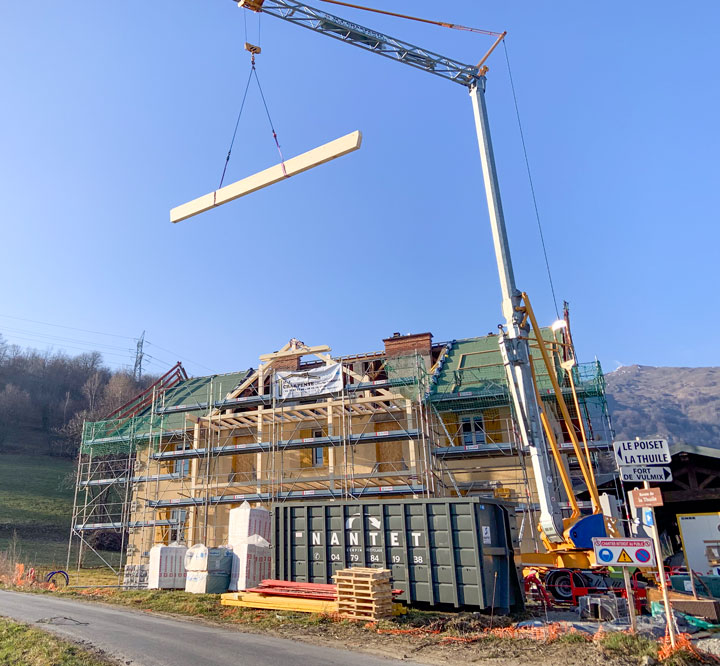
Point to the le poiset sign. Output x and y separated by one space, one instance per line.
624 552
642 452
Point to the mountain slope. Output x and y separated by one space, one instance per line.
680 404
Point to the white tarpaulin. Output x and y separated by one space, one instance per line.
300 383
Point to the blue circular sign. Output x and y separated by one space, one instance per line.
642 555
605 554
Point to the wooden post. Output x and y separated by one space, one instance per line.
661 573
630 599
692 579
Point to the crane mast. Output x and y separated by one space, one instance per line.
514 339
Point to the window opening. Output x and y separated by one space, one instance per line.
472 431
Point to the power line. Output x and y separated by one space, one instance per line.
82 349
72 328
176 355
39 337
58 338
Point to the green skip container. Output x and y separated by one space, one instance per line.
442 552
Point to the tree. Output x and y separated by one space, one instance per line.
91 390
14 406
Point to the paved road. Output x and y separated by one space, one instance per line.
143 639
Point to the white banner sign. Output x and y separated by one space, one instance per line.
301 383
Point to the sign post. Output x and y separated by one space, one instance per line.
630 599
648 460
661 571
625 553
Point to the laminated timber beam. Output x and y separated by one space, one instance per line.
295 165
375 404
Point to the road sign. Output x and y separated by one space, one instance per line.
648 517
636 474
647 497
642 452
624 552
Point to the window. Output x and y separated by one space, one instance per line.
317 457
181 467
473 433
177 531
317 452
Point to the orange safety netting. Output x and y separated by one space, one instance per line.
97 592
683 644
22 578
548 633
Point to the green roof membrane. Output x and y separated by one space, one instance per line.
474 367
194 395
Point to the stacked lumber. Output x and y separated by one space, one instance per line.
364 593
366 597
285 595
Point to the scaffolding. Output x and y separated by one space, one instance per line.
173 467
172 471
473 425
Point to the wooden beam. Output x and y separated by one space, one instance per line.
290 353
295 165
375 402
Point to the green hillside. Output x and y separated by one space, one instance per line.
36 494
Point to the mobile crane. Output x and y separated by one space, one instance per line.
568 541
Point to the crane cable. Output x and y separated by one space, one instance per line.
442 24
237 123
253 72
532 186
267 112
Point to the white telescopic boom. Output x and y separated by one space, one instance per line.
514 343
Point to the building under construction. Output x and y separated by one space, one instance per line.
416 419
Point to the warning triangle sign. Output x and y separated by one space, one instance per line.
624 557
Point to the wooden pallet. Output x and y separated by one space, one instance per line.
364 593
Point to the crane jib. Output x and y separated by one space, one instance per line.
365 38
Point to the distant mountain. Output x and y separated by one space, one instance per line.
680 404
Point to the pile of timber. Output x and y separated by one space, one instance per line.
373 591
285 595
364 594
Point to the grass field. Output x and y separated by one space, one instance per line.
36 492
36 498
36 495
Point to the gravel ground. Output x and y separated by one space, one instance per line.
711 645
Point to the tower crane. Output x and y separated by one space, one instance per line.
568 540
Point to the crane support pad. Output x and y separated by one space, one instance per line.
295 165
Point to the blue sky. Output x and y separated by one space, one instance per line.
113 113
